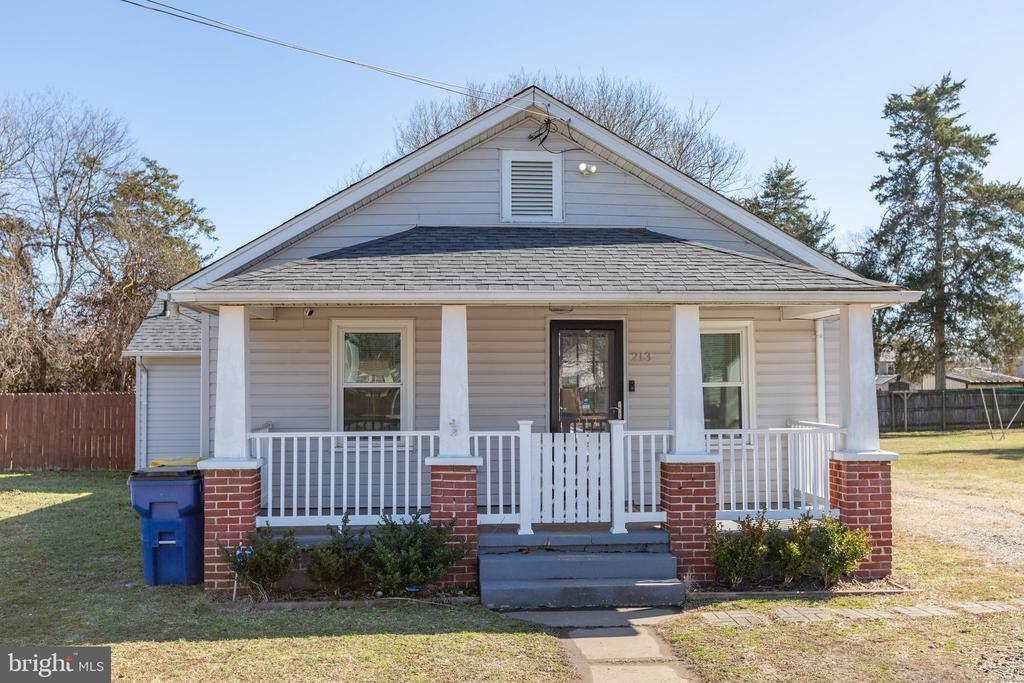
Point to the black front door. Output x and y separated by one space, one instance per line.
586 375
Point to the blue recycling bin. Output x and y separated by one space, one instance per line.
169 501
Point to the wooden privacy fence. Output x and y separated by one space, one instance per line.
67 431
949 409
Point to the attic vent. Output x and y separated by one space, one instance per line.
531 186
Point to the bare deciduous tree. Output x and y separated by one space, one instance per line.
632 109
87 236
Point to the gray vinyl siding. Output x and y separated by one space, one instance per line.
466 191
833 399
290 364
290 373
172 408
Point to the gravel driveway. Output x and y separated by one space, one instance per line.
989 526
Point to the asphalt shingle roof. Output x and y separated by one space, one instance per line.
539 259
162 334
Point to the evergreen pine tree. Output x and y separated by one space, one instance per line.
945 230
783 201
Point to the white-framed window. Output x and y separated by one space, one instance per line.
531 186
727 370
372 375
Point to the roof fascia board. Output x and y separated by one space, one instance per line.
249 297
160 354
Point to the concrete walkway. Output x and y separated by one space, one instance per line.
615 645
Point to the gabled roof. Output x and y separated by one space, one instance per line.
530 102
166 335
491 260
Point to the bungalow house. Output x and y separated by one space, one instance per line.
535 327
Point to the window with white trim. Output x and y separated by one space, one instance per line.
726 376
531 186
372 375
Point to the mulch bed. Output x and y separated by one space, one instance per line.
246 603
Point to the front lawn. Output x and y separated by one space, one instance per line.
70 573
956 495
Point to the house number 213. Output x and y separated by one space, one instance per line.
640 356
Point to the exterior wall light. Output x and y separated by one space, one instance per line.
587 169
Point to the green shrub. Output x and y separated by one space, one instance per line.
792 551
739 556
338 566
838 549
269 561
412 553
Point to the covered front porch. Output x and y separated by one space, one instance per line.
565 412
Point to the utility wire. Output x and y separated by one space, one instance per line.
178 13
252 34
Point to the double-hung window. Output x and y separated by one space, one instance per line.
373 375
726 376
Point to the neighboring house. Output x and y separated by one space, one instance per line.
572 333
973 378
885 371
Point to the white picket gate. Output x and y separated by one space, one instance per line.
573 477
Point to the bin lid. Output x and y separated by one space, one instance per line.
175 472
174 462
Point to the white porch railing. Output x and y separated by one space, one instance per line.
526 478
782 472
642 451
499 493
314 478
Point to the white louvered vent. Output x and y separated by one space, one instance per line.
532 186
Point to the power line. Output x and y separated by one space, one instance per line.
209 22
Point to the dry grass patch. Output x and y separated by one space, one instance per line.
70 573
936 649
937 549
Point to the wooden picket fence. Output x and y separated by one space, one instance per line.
950 409
94 431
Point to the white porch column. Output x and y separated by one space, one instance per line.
231 425
687 394
857 386
454 383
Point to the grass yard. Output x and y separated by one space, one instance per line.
70 573
959 528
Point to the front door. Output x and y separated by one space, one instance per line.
586 375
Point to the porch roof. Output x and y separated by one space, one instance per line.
527 259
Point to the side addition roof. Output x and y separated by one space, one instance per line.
166 335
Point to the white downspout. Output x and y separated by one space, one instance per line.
142 416
819 358
204 387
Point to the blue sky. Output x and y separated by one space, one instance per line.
259 133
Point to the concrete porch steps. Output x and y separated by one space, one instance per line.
548 564
577 566
589 592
